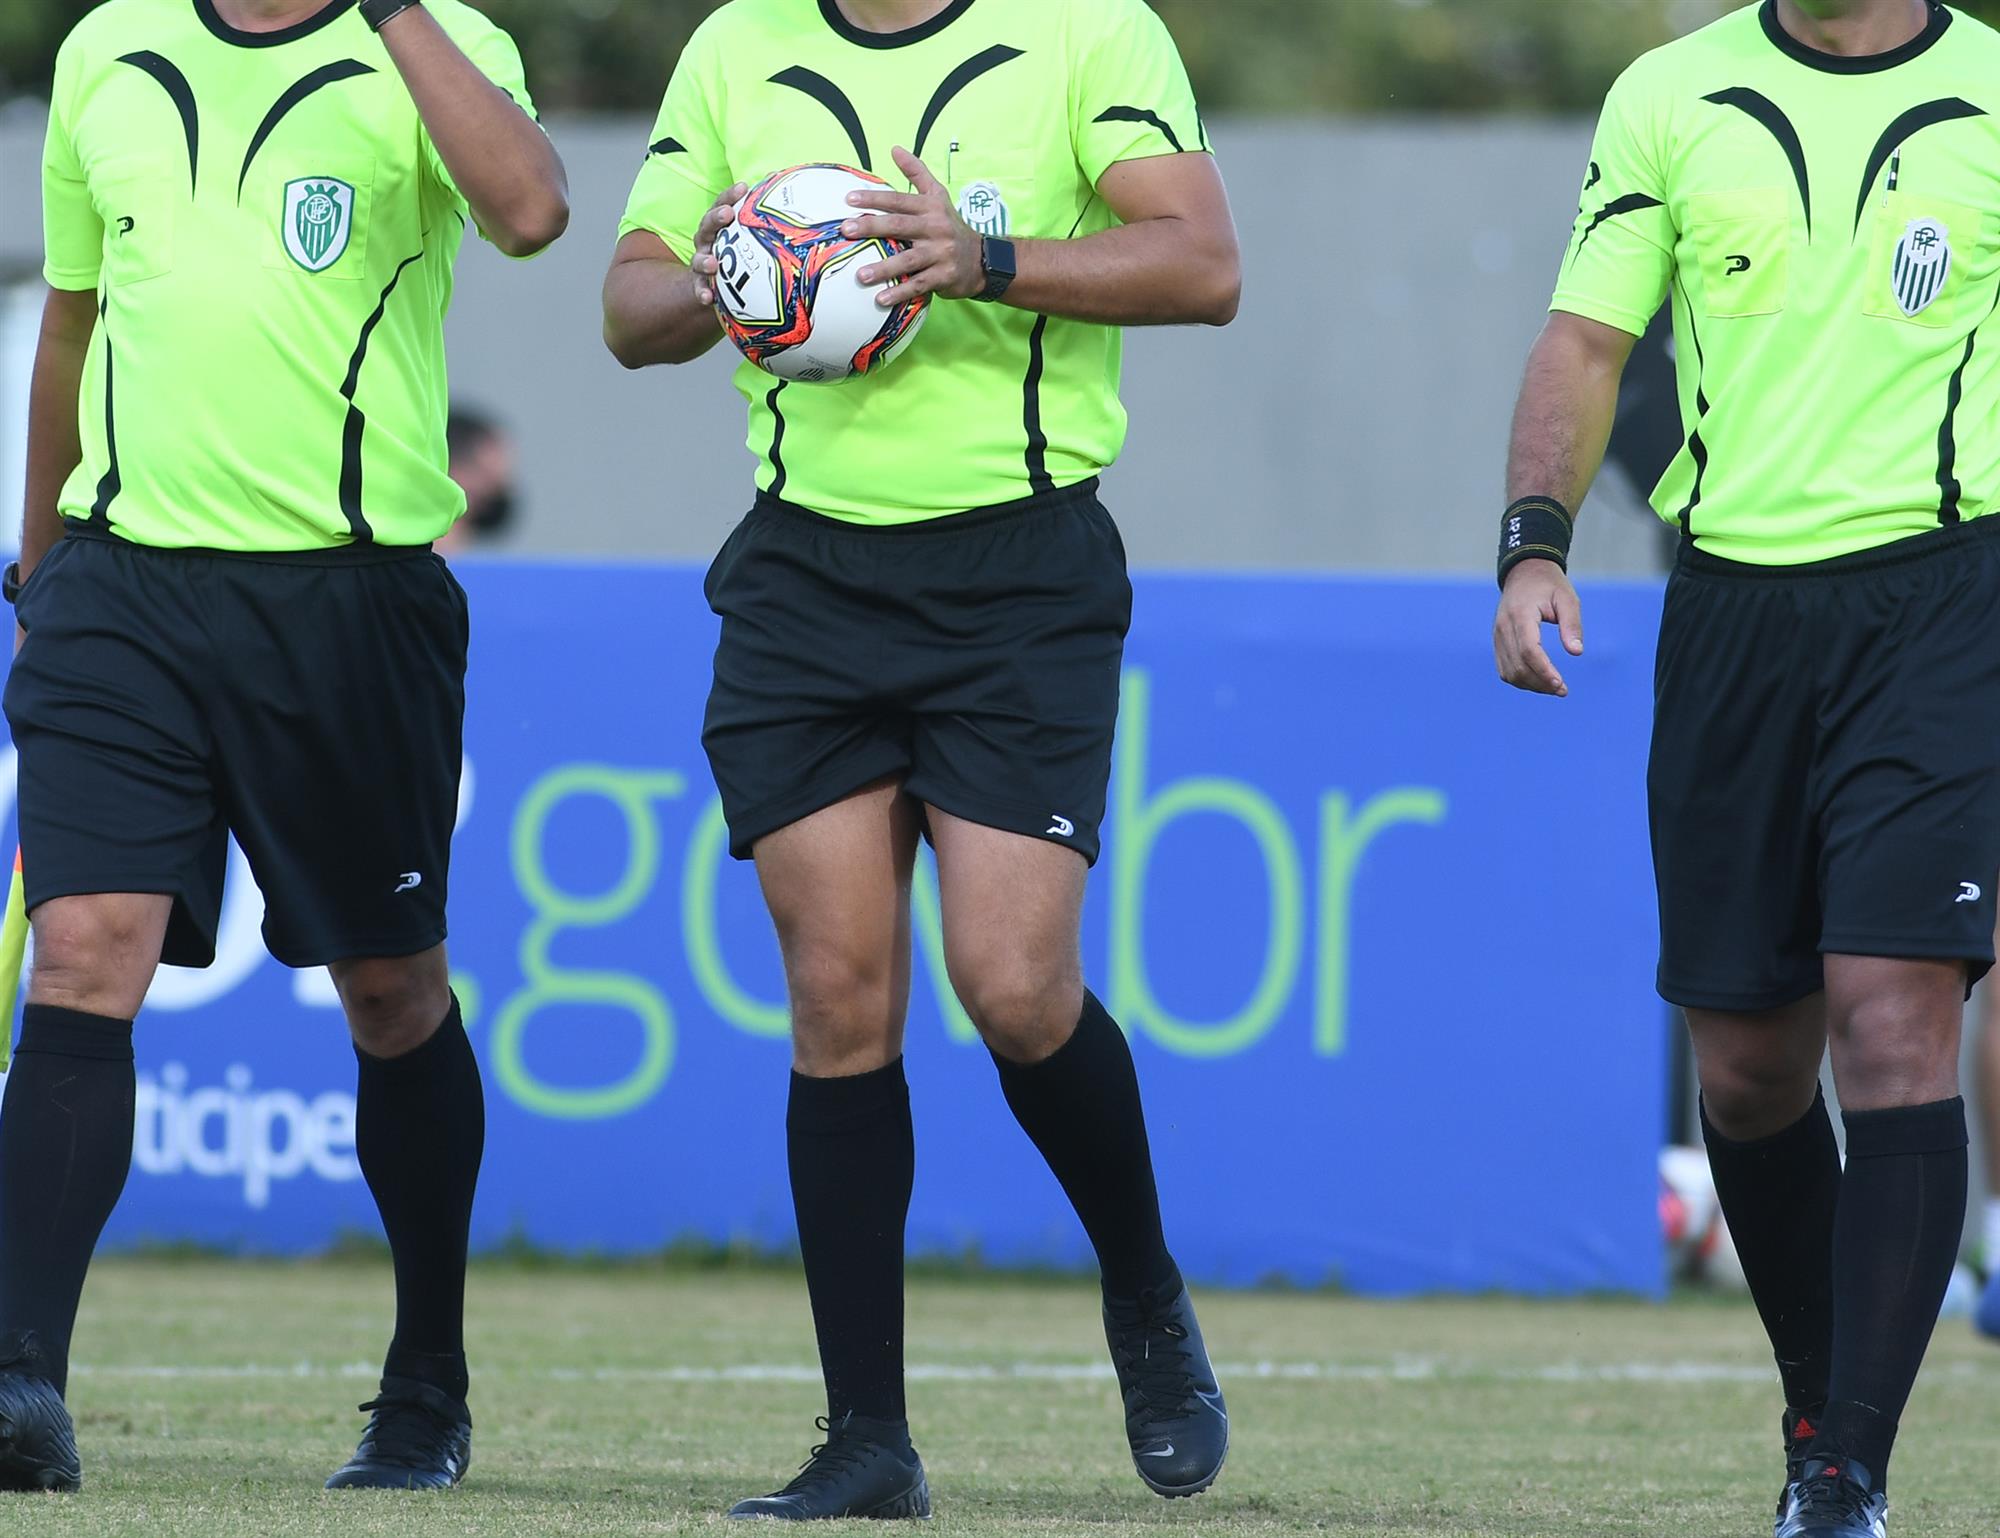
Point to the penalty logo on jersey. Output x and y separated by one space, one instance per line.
1923 263
984 208
319 220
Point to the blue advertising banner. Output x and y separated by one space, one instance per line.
1381 930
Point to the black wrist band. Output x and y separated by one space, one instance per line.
379 13
1535 529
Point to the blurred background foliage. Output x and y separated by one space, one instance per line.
1274 57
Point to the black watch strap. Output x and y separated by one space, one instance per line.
10 581
996 257
379 13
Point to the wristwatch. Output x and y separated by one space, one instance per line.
379 13
996 259
10 582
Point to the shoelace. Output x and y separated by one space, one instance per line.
830 1458
1831 1498
1153 1352
405 1431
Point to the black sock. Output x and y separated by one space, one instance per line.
65 1148
419 1132
1779 1195
1081 1108
1902 1214
853 1158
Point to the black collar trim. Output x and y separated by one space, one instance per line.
1843 64
866 39
332 11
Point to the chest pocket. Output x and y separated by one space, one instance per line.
994 189
138 200
316 224
1743 243
1923 255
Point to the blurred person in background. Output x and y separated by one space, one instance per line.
480 459
1814 184
923 619
235 623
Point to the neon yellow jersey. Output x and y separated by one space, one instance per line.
1829 231
270 234
1018 107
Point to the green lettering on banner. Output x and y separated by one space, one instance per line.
1342 844
702 934
1140 822
632 792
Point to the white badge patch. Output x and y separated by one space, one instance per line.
984 208
1923 263
318 220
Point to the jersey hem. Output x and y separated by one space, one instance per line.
949 519
1699 557
312 555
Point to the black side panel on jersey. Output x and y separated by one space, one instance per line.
357 423
110 484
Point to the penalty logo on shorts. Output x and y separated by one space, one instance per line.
319 220
1923 263
984 208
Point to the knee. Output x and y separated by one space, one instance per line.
94 957
846 1011
393 1006
1894 1044
1758 1081
1023 1012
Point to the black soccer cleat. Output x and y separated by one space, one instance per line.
1175 1419
418 1438
864 1468
1799 1433
37 1440
1836 1498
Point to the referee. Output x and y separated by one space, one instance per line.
1815 185
233 621
923 618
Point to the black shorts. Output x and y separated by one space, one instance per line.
1826 765
165 699
976 658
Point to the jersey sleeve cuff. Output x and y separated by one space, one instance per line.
1618 317
682 245
70 280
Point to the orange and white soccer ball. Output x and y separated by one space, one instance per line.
787 288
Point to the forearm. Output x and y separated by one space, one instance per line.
1159 272
652 313
501 161
1562 422
55 447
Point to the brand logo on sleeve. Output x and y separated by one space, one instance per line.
984 207
1923 263
319 221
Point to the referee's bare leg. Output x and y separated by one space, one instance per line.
1848 1268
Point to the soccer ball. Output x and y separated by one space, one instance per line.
789 297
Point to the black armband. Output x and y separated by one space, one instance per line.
379 13
1535 529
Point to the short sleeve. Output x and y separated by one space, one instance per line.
687 164
1620 261
1130 98
494 55
72 232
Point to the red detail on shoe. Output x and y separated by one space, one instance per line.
1805 1431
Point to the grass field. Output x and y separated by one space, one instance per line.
213 1398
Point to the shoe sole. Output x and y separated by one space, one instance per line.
913 1505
